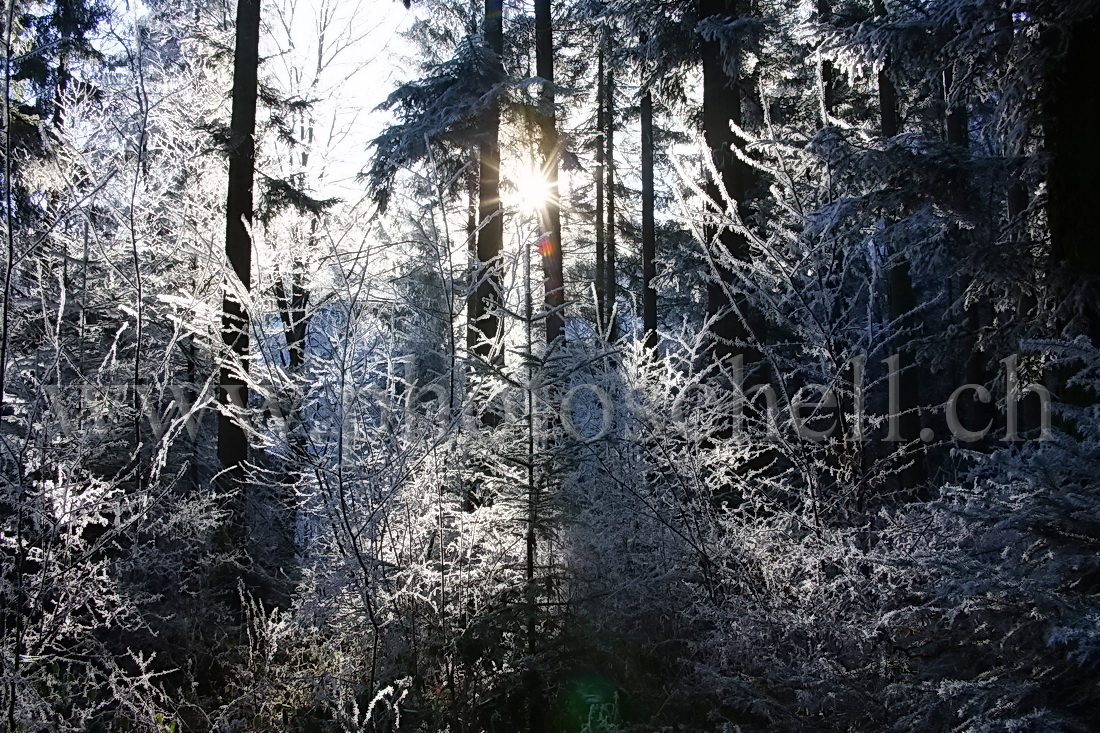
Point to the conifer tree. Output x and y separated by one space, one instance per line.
485 308
723 96
550 149
232 438
649 236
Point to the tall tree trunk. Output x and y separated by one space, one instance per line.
956 128
610 276
471 209
1073 113
11 503
1016 225
901 302
1016 195
1073 185
232 441
601 121
483 330
483 322
649 238
550 246
293 303
472 187
828 72
722 104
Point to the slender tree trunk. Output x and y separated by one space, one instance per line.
531 675
956 128
601 283
1073 189
484 326
828 72
1072 182
9 212
550 246
1016 224
610 277
722 104
901 303
232 441
471 209
887 92
282 562
293 306
649 238
471 243
12 503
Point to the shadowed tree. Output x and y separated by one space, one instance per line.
722 100
1074 189
901 300
550 149
554 301
601 284
485 303
649 239
233 394
610 278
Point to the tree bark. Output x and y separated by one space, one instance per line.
722 104
1074 188
483 330
232 441
956 128
887 93
901 301
550 246
610 276
601 122
293 306
649 238
828 72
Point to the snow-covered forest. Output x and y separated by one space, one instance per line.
581 366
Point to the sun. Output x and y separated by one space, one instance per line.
531 190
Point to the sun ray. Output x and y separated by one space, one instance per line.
530 191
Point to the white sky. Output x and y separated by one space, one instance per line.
347 54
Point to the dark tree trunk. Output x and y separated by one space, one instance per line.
1073 183
649 238
472 187
483 327
956 128
901 303
232 441
1073 191
484 324
828 72
550 246
722 104
601 121
610 278
471 210
1016 224
887 93
293 310
551 255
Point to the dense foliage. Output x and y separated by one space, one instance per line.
751 492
